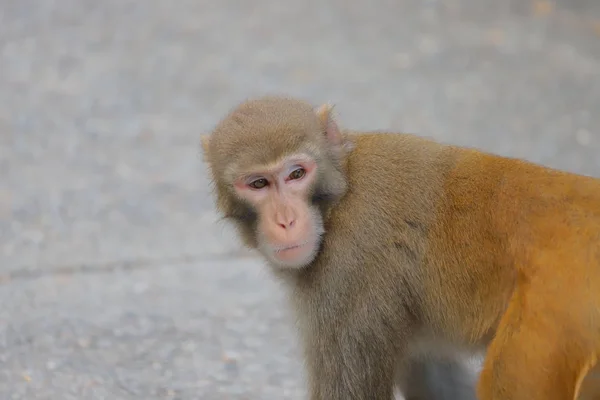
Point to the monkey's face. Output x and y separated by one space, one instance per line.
277 168
288 226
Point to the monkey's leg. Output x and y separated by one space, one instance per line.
350 375
437 379
351 363
536 354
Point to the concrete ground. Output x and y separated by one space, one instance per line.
116 281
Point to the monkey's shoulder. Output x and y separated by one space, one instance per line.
393 168
395 181
393 142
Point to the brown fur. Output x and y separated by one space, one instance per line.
429 245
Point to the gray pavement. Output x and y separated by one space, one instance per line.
116 281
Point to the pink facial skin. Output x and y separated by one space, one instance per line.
289 229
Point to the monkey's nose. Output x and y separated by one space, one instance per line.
288 224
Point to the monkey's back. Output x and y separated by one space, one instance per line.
409 225
555 232
443 222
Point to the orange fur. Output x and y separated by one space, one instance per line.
537 250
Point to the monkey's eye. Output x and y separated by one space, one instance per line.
259 183
298 173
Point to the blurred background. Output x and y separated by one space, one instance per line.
116 280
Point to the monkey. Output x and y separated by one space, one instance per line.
391 244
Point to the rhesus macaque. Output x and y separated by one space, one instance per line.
391 245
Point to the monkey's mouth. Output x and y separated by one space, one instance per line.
292 247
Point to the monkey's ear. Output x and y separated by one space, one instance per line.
331 129
205 141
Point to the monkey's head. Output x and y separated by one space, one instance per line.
278 166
